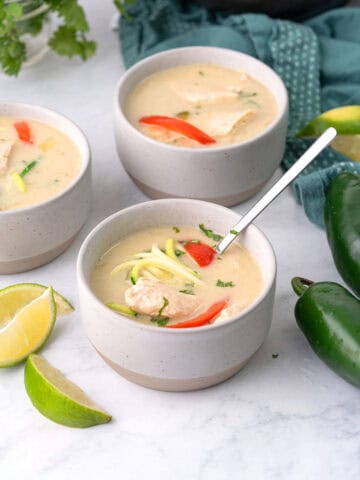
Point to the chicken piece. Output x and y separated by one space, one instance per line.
200 95
221 123
214 89
230 312
147 297
5 149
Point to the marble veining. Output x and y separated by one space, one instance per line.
284 418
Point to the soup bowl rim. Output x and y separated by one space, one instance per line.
85 158
128 322
208 148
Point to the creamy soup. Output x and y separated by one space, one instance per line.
37 162
227 106
170 276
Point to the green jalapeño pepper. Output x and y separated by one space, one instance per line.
342 220
329 316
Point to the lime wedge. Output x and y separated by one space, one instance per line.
28 330
348 145
59 399
346 120
15 297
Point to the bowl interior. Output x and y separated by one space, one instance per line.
172 212
190 55
54 119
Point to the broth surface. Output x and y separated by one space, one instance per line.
236 267
54 157
228 105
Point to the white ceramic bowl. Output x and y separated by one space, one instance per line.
170 359
225 174
35 235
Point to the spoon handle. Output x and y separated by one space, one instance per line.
305 159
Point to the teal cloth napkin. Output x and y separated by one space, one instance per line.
318 60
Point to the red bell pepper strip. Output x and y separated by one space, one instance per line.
23 131
203 318
180 126
202 253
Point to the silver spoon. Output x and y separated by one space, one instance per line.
305 159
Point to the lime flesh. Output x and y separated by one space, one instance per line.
15 297
27 330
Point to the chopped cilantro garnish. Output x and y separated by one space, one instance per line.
184 115
164 305
252 102
220 283
27 169
178 253
187 291
209 233
176 229
275 355
234 232
160 319
244 94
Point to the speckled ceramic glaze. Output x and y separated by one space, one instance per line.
169 359
227 174
33 236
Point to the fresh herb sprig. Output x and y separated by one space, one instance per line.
12 51
70 39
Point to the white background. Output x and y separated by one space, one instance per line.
284 418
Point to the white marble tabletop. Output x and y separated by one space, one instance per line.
288 417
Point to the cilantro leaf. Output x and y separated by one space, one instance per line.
69 39
12 51
220 283
66 41
209 233
187 291
160 319
244 94
72 13
164 305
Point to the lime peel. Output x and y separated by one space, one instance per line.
346 121
24 293
59 399
28 330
